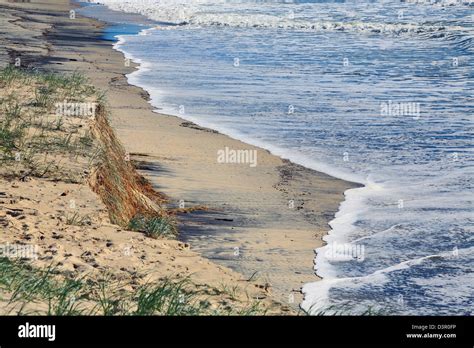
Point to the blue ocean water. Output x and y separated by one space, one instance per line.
378 92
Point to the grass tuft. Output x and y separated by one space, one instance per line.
155 227
77 220
26 290
33 140
9 75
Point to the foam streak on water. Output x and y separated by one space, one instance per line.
378 92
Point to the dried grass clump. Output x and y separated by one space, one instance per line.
126 193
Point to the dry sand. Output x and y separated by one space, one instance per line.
248 225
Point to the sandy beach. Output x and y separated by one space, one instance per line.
254 227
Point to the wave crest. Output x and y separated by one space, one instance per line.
219 13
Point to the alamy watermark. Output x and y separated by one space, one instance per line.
75 109
19 251
232 156
345 252
392 108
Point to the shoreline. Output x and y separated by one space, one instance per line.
273 150
178 158
288 163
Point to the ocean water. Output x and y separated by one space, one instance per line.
376 92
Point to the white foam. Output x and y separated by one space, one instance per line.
316 294
442 2
248 14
